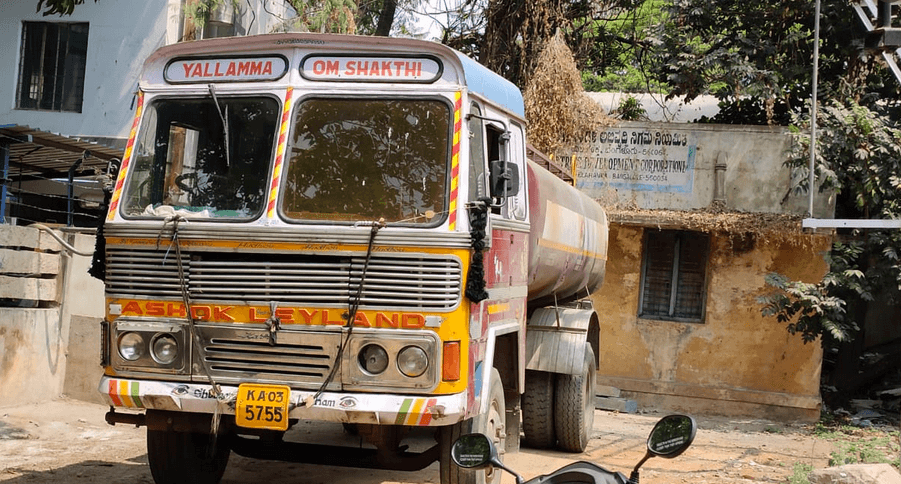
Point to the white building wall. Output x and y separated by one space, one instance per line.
121 34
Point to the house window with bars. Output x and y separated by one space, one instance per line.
52 66
673 275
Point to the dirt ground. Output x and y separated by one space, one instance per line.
67 441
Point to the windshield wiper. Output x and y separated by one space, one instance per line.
224 118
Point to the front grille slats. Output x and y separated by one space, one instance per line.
420 282
300 359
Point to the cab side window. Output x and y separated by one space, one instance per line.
477 172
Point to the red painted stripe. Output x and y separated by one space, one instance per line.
114 393
426 413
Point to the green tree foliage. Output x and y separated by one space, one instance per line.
621 58
387 17
61 7
508 36
756 57
859 156
335 16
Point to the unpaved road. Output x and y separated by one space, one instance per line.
67 441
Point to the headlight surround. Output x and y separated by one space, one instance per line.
164 349
131 346
149 346
412 361
373 359
398 375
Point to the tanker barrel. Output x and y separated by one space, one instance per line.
567 240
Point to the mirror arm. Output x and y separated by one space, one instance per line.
497 463
644 459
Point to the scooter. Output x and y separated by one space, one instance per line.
669 438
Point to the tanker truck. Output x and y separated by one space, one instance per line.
342 234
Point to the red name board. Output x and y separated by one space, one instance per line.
371 69
243 69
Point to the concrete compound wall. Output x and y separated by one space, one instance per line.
50 313
677 166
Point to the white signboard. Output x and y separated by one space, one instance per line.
266 68
371 69
641 160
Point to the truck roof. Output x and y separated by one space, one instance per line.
469 73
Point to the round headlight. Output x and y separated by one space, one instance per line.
373 359
412 361
131 346
164 349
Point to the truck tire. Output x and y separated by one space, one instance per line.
538 410
178 457
491 424
574 404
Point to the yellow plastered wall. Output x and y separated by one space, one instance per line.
736 362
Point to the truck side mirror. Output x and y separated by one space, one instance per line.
504 180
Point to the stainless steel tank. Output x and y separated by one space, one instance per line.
567 240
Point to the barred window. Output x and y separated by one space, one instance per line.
52 66
673 275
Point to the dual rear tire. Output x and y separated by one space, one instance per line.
558 410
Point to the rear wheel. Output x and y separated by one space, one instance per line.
178 457
491 423
574 405
538 410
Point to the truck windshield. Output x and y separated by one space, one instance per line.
181 165
365 159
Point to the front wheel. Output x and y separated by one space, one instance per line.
574 405
491 423
179 457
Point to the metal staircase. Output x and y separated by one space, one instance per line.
883 38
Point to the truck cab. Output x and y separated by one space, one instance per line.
327 228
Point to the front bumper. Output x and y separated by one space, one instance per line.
362 408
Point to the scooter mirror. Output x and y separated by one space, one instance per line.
473 451
672 435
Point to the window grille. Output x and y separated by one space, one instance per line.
52 66
674 276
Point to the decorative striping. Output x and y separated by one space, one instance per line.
280 153
126 159
455 161
415 411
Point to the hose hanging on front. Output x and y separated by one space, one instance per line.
475 277
351 315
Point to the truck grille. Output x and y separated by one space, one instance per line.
298 358
421 282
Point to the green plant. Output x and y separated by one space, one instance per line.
870 451
630 109
199 11
800 473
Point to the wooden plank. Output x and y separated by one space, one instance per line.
28 288
23 262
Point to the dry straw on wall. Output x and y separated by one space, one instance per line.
557 108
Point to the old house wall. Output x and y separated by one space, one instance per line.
736 361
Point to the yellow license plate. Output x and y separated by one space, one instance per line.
262 406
